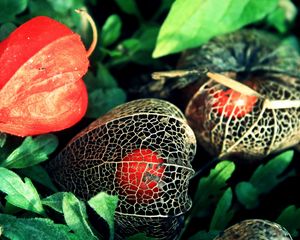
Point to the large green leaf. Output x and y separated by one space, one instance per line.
191 23
33 228
105 206
20 194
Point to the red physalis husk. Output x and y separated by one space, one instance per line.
41 90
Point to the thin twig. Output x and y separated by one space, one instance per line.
175 73
233 84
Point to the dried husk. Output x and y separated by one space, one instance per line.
255 229
272 69
89 163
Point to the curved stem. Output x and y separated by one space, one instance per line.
94 29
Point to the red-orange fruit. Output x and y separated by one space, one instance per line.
138 175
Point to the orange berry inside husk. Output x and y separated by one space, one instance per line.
230 103
138 175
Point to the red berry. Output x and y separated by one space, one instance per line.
138 175
233 104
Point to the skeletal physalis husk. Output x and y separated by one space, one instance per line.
255 229
90 162
252 64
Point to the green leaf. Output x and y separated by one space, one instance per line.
103 100
147 39
38 174
247 195
33 228
191 23
31 152
3 137
211 188
140 236
55 201
222 214
137 49
277 20
203 235
20 194
5 30
103 79
111 30
128 6
267 176
10 8
61 6
289 218
291 41
283 16
105 206
76 217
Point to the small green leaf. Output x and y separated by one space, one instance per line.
140 236
147 39
76 217
61 6
211 188
247 195
55 201
20 194
111 30
105 206
203 235
267 176
191 23
31 152
289 218
222 214
38 174
5 30
103 100
9 9
3 137
33 228
103 79
128 6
